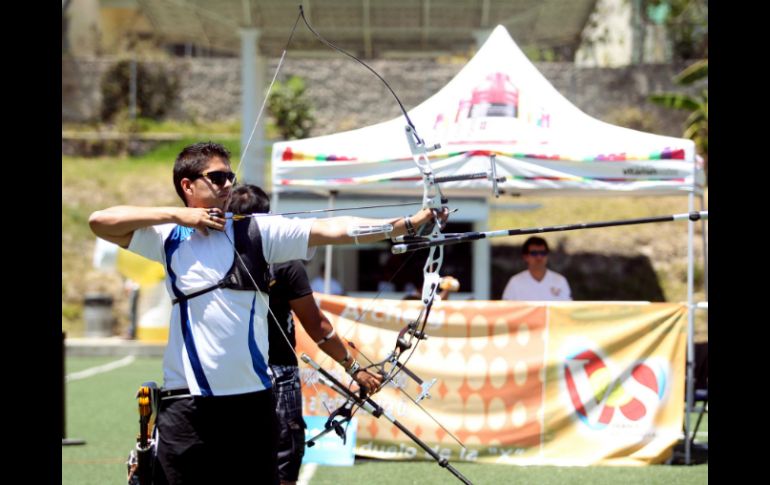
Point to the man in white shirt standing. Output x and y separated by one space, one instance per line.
537 282
217 421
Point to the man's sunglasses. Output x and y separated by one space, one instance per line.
218 177
538 253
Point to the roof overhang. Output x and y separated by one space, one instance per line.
372 28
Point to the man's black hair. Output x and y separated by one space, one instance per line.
248 199
534 241
193 159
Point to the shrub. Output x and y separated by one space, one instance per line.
291 111
156 90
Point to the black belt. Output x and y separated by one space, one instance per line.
169 393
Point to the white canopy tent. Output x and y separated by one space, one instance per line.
499 105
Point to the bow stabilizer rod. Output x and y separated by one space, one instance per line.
377 411
414 244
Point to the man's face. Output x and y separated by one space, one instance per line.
537 257
211 189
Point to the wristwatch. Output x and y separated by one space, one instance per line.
355 367
409 226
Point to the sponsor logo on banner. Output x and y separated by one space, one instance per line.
604 395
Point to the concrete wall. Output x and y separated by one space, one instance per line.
347 96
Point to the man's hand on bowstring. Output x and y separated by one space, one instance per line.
202 219
368 381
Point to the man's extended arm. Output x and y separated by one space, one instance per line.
318 327
336 230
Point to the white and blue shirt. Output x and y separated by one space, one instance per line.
218 341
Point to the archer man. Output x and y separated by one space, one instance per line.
217 421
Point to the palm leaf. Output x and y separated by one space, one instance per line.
675 101
697 123
694 72
697 117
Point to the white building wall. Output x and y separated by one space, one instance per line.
608 39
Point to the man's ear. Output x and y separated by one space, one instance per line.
186 185
187 189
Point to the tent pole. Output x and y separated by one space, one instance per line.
705 249
690 329
328 261
482 261
274 202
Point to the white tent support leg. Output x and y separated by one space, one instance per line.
690 329
705 248
274 201
482 265
328 258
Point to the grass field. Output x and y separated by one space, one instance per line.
101 409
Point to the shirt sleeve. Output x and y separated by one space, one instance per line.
296 280
148 242
284 239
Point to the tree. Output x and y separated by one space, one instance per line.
686 22
292 113
697 123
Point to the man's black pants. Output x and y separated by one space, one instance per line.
218 440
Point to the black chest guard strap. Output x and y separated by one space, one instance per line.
248 245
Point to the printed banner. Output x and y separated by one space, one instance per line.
576 383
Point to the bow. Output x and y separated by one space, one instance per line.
432 199
410 336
